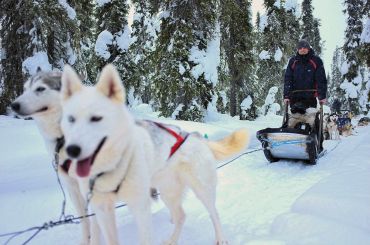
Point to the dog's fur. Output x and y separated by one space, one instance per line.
124 158
333 127
308 117
364 121
41 101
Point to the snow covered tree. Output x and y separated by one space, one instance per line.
336 96
82 38
145 28
352 80
237 45
34 33
112 40
365 35
275 46
186 58
310 26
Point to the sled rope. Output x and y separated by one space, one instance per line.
242 154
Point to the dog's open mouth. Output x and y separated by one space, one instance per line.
42 109
84 165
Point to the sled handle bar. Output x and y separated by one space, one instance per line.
286 115
320 125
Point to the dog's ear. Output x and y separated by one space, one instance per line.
110 84
71 82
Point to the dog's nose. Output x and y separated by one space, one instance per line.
15 106
73 151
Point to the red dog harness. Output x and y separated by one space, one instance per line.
179 139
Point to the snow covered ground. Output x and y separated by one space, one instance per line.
284 203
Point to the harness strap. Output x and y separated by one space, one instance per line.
179 139
59 145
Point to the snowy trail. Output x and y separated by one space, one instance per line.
251 192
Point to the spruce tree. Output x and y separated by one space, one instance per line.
351 48
29 28
237 43
273 50
140 65
182 88
310 26
111 32
336 95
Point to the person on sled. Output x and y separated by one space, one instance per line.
305 83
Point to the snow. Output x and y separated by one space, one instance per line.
207 60
246 103
270 107
264 55
278 55
365 35
39 59
291 5
70 11
350 89
101 3
259 203
104 39
263 22
124 38
344 68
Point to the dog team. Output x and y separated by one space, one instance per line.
105 155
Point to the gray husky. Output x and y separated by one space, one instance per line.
41 101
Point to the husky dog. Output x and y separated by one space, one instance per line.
123 159
41 101
364 121
308 117
333 127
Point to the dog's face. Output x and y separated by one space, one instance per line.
92 116
41 95
333 118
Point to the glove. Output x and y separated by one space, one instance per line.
286 101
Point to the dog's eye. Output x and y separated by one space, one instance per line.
40 89
96 118
71 119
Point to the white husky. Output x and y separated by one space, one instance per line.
41 101
122 159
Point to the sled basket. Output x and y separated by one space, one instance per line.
288 143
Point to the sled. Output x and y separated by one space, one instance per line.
301 143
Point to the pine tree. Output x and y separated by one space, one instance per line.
182 88
273 48
351 48
141 68
82 37
237 43
28 28
310 26
111 33
336 95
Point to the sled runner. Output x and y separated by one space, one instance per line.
299 143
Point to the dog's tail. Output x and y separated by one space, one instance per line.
230 145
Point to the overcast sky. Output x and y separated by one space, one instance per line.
333 24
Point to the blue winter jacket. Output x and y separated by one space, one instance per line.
305 77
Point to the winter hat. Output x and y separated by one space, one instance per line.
303 44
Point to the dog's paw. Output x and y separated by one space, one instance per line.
223 242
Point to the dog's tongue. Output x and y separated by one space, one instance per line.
83 167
